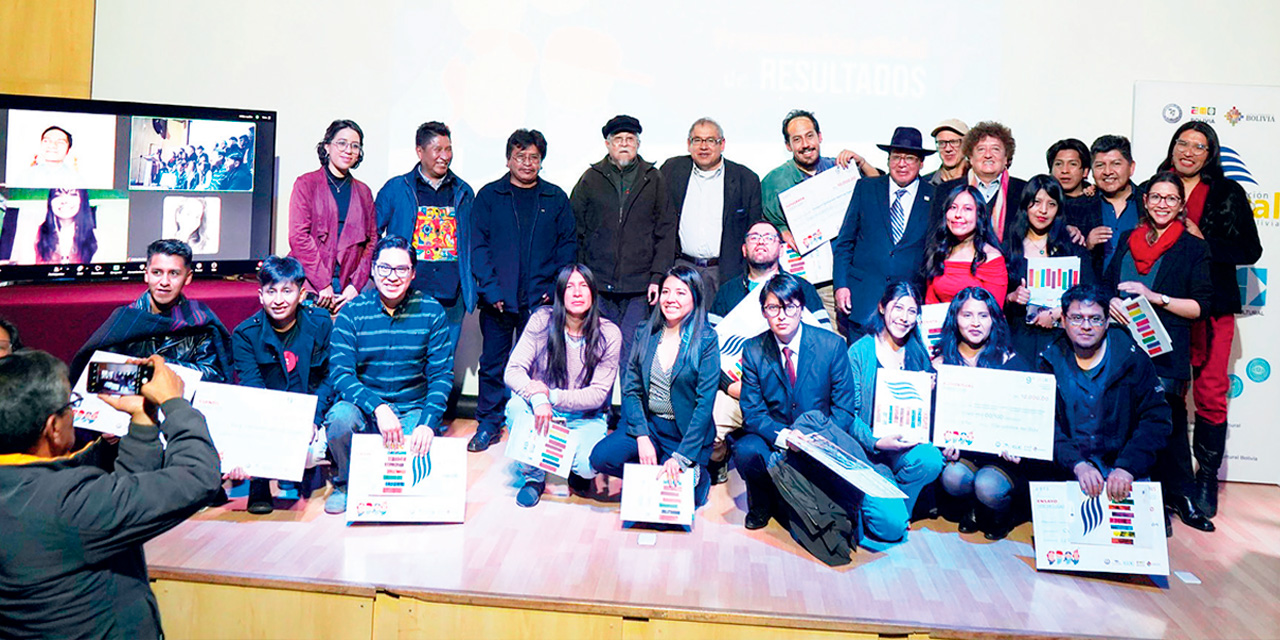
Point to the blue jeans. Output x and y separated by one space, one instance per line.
589 427
887 519
991 485
344 419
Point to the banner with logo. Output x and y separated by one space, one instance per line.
1247 120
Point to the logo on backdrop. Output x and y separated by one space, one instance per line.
1237 386
1233 167
1234 116
1253 287
1258 370
1172 113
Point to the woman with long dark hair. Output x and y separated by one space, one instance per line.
563 367
67 233
668 388
1038 230
1164 261
332 223
963 250
1219 209
892 343
975 334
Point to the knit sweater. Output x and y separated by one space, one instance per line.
528 362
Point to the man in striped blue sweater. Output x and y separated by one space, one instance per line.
391 364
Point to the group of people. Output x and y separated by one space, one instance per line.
626 279
228 166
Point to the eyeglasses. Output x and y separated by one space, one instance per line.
530 159
772 310
344 145
385 270
762 237
1076 320
710 142
624 140
1171 200
73 403
902 158
1195 148
942 144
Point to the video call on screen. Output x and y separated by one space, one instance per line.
94 189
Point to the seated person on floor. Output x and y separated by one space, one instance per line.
739 300
892 342
668 389
163 321
563 367
284 347
71 565
1111 418
391 365
987 490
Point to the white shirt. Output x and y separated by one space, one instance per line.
908 199
988 190
794 345
700 219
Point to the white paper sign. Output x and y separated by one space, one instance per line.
853 470
552 452
929 323
96 415
1145 327
393 485
1049 278
648 497
1074 532
995 411
902 404
817 266
267 433
815 208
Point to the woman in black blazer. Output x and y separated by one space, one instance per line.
1164 261
668 388
1038 230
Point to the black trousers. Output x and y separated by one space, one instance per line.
499 330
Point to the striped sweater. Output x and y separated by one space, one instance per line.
402 360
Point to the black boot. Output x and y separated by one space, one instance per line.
1187 512
1209 442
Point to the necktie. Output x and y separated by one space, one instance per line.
791 365
897 217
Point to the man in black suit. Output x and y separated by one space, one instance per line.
883 236
786 371
715 200
989 147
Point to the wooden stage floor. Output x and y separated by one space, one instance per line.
571 554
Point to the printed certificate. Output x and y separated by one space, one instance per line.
995 411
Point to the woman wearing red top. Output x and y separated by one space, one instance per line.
332 223
963 250
1218 209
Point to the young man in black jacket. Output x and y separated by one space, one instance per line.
71 565
1111 417
284 347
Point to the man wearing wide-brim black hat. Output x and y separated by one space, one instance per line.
883 235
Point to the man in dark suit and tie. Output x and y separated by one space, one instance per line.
715 200
883 237
786 371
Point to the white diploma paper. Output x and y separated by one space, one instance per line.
817 266
1049 278
994 411
853 470
267 433
552 452
1074 532
815 208
929 323
96 415
648 497
902 404
1146 328
393 485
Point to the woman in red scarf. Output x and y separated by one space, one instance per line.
1165 261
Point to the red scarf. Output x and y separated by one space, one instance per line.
1144 253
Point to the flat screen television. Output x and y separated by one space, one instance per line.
86 185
